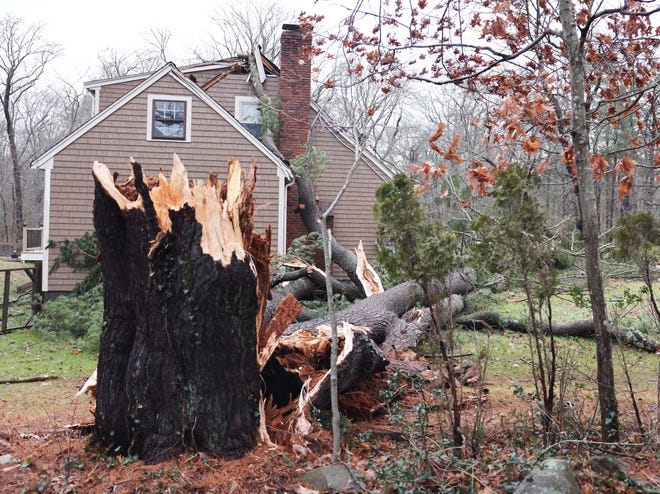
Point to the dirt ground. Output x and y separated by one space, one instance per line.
47 456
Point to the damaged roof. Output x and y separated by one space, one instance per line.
237 63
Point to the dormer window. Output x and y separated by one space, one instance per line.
168 118
248 112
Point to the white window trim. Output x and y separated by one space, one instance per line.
97 100
281 212
169 97
239 101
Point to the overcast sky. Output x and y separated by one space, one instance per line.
83 28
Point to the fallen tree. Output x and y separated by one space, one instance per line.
486 320
384 312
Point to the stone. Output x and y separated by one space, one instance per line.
332 478
5 459
552 476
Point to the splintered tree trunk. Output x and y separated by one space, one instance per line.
177 362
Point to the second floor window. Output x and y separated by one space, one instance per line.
248 112
169 120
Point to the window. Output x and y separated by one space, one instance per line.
168 118
248 112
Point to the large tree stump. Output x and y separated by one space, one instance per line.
183 299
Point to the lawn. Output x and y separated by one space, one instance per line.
626 301
507 355
17 277
25 354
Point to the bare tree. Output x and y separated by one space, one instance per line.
158 42
74 107
359 107
243 25
36 130
116 63
23 58
5 190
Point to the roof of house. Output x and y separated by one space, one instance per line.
226 63
144 75
149 80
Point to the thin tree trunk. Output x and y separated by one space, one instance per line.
5 227
587 199
329 244
16 168
647 276
334 345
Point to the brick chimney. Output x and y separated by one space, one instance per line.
295 96
295 89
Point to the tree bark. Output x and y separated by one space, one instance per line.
311 217
382 311
177 361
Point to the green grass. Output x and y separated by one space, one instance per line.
509 353
509 358
565 310
26 354
17 277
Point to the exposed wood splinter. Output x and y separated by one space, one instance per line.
89 386
107 181
269 336
218 206
366 274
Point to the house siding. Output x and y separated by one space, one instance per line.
353 218
112 92
122 135
236 84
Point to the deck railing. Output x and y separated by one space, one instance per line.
36 297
